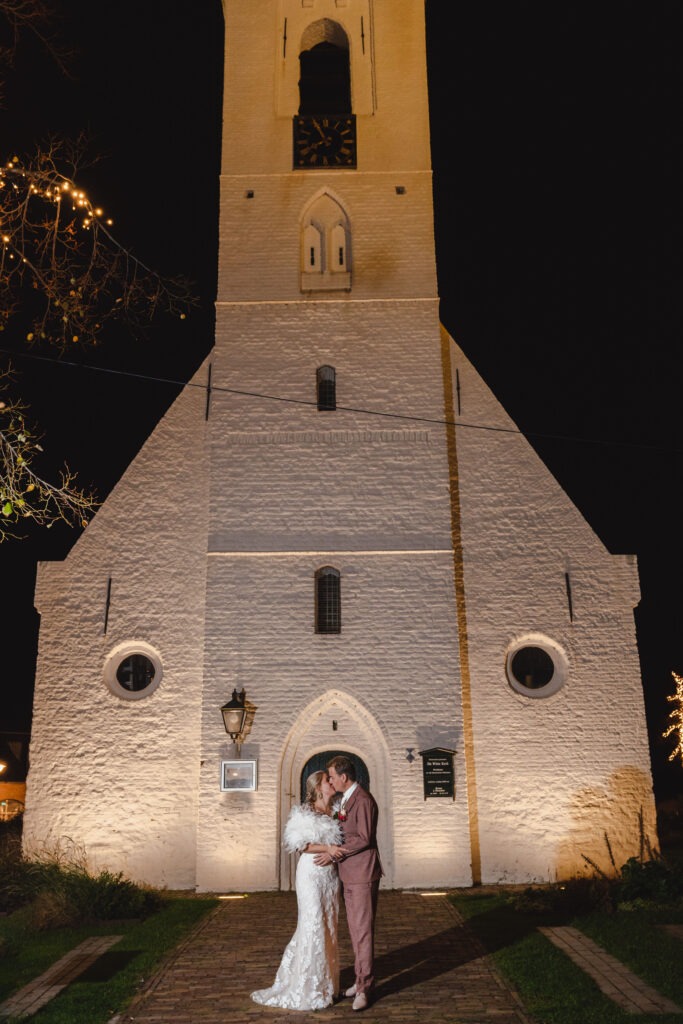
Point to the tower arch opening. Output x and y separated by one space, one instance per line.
325 70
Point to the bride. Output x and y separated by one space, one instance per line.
308 975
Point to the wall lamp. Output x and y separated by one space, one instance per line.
238 715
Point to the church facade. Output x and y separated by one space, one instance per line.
325 531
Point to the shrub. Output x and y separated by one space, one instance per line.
654 881
60 890
76 897
580 895
536 900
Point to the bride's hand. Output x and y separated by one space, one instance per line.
335 852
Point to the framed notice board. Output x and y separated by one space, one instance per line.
238 775
438 776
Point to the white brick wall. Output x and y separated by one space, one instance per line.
552 774
392 664
119 778
392 239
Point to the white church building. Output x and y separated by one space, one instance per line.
320 524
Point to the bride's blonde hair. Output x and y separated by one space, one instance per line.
313 788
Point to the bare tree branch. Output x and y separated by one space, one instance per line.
64 277
23 493
19 18
63 274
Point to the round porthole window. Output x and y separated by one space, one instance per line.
133 670
536 666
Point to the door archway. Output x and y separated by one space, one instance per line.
320 761
307 747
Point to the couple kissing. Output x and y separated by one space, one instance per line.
335 832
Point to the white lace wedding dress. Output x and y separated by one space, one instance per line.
308 975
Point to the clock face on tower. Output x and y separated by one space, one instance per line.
322 141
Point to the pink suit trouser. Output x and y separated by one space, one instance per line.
360 899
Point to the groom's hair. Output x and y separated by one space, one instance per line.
343 766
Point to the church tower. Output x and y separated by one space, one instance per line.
363 567
330 562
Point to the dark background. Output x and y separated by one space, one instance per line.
557 163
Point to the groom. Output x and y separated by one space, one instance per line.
359 870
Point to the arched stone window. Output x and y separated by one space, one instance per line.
325 77
328 600
326 388
325 246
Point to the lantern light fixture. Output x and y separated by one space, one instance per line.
234 717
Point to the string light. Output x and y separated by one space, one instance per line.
676 716
51 191
44 241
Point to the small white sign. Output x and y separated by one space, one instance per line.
238 775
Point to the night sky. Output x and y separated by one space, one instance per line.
557 163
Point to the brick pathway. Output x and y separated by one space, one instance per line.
429 969
612 977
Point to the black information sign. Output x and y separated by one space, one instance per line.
437 772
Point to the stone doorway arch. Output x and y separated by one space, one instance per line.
337 721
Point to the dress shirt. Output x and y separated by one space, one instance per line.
346 795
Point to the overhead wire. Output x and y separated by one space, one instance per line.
179 383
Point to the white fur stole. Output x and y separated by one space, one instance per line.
305 826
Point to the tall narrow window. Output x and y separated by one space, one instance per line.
338 246
327 600
326 387
313 263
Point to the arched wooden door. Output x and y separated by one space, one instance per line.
320 761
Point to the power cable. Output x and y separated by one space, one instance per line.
538 435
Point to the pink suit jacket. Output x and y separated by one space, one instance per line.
360 862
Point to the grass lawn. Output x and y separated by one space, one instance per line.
553 989
110 984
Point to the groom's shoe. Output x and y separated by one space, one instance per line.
350 992
360 1002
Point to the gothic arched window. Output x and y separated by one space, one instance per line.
325 246
326 388
327 600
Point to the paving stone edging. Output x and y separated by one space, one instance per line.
29 999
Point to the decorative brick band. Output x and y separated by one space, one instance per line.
331 437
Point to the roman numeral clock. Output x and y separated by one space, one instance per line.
324 141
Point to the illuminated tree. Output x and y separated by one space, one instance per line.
64 279
676 717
